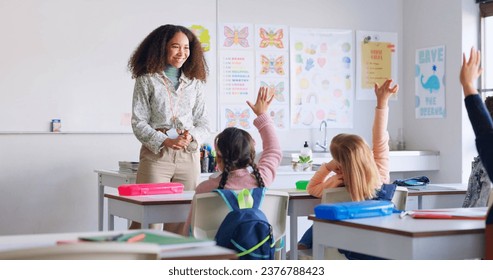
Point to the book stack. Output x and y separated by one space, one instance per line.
128 166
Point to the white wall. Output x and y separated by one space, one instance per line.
332 14
47 181
454 24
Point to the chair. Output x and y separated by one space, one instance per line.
86 251
342 195
209 210
334 195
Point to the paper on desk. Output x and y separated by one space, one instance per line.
456 213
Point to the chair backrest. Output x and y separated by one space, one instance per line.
87 251
209 210
342 195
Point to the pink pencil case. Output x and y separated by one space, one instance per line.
149 189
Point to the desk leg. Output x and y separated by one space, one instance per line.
100 202
293 237
111 222
318 251
283 250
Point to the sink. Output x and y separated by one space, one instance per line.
317 157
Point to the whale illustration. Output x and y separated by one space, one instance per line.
432 84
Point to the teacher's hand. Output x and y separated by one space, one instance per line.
178 143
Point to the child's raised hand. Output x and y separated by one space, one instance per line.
264 98
384 92
470 71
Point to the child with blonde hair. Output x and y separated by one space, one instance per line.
356 166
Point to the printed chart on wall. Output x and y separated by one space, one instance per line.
377 61
430 82
322 77
236 72
272 69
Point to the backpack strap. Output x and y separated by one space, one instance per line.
244 199
258 197
229 198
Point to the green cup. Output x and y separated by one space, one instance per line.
301 185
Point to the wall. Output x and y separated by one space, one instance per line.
426 24
332 14
48 181
68 59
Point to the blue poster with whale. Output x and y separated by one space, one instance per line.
430 83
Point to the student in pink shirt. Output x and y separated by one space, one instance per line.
235 150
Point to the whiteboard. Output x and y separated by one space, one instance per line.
68 60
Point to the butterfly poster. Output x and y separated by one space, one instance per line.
236 36
279 116
279 87
240 116
322 77
236 76
271 37
377 54
272 64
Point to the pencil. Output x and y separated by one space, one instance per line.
136 238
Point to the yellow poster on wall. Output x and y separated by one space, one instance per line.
376 63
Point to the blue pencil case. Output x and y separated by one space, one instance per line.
353 210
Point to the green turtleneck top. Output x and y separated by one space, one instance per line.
173 74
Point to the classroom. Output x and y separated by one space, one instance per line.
67 60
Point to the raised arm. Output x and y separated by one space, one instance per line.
380 135
271 150
481 121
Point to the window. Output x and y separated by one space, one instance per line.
487 47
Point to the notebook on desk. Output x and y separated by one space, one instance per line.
478 213
166 242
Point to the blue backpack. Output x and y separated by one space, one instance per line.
245 228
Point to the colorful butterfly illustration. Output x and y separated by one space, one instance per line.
272 65
271 38
235 37
278 118
278 90
238 119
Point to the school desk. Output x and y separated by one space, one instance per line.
436 196
208 252
300 204
114 179
149 209
175 208
392 237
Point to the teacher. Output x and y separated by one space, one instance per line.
169 115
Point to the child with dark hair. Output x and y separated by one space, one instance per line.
480 115
235 150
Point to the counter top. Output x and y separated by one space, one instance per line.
400 161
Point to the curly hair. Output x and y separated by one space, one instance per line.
150 56
358 166
236 148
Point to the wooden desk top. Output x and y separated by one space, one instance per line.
408 226
438 189
162 199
